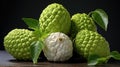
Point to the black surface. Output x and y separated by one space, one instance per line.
11 13
6 60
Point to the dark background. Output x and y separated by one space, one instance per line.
11 12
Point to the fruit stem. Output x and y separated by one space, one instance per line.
60 39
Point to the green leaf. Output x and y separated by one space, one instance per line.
115 55
95 60
44 35
101 18
32 23
92 59
37 33
36 48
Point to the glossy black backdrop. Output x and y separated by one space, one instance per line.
11 12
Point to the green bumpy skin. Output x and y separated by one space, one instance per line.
17 43
81 21
89 42
55 18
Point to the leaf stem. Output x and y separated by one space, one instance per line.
89 14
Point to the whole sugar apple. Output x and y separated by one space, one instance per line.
55 18
81 21
17 43
91 43
58 47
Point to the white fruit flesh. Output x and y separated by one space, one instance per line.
58 47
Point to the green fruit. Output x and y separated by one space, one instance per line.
55 18
89 43
80 22
17 43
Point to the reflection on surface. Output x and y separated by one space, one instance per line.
7 60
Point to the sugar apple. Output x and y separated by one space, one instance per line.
17 43
58 47
55 18
81 21
89 42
